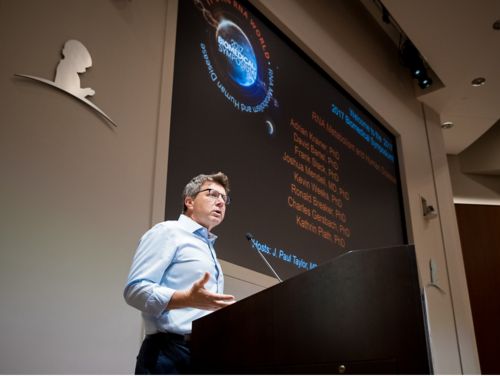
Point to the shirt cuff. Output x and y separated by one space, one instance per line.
158 301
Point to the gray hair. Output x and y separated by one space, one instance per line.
193 187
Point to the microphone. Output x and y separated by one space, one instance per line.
251 239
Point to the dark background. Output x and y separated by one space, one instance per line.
208 134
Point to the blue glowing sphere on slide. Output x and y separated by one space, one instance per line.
237 53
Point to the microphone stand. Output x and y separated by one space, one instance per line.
251 238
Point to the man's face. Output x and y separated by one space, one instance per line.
205 209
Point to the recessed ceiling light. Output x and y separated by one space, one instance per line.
496 25
480 81
447 125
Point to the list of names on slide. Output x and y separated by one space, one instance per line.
316 195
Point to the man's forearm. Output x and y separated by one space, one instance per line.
180 299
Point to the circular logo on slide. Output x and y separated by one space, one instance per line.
237 53
236 56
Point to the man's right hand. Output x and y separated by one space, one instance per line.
199 297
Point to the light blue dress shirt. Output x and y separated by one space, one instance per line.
171 256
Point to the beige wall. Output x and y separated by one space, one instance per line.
473 188
76 194
483 156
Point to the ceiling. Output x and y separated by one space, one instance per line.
457 39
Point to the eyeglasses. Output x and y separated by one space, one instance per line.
216 194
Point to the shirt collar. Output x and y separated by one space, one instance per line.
196 228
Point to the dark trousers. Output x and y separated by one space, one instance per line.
164 354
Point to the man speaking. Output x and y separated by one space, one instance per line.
175 277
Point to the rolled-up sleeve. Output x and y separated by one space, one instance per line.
145 289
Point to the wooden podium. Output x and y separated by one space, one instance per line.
360 313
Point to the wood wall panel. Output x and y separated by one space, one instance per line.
479 227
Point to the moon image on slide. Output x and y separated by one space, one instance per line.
270 128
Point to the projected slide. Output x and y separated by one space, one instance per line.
312 173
